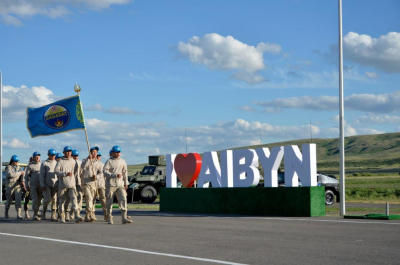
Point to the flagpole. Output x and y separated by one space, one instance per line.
1 135
77 89
341 118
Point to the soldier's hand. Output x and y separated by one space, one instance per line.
28 189
119 176
43 189
126 187
22 173
69 174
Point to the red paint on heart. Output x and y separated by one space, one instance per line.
187 168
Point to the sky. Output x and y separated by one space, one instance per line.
157 76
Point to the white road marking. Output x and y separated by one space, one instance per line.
316 220
309 219
125 249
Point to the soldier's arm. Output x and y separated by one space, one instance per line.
85 164
42 175
58 171
125 174
106 171
11 174
77 174
27 176
99 169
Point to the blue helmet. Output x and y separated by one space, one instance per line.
67 148
15 158
52 152
98 154
59 155
75 152
116 149
94 148
36 153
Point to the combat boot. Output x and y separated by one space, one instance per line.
19 214
105 215
35 216
27 214
53 215
78 217
44 213
72 214
110 220
93 216
87 217
124 218
6 214
62 218
67 217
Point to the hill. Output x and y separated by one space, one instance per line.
373 153
363 153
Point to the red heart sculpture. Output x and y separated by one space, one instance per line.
187 168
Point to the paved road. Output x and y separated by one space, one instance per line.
231 239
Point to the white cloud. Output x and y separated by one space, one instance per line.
382 53
372 75
15 144
120 110
142 139
94 107
250 78
246 108
226 53
13 11
381 103
304 102
378 119
17 99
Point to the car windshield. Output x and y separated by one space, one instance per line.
148 170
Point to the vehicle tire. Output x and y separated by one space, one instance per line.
148 194
329 197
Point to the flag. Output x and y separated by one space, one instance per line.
58 117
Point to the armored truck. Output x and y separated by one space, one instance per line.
145 185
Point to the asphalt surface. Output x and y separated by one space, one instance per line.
213 239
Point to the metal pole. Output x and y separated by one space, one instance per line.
387 209
341 118
77 89
1 136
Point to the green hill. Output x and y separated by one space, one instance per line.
364 153
373 153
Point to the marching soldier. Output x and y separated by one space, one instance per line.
58 156
101 187
13 185
48 182
33 184
115 171
66 171
89 170
26 196
79 194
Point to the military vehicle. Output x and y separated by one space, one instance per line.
330 183
145 185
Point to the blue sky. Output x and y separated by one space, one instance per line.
225 70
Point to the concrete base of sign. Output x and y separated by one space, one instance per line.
282 201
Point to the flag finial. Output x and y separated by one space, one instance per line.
77 88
